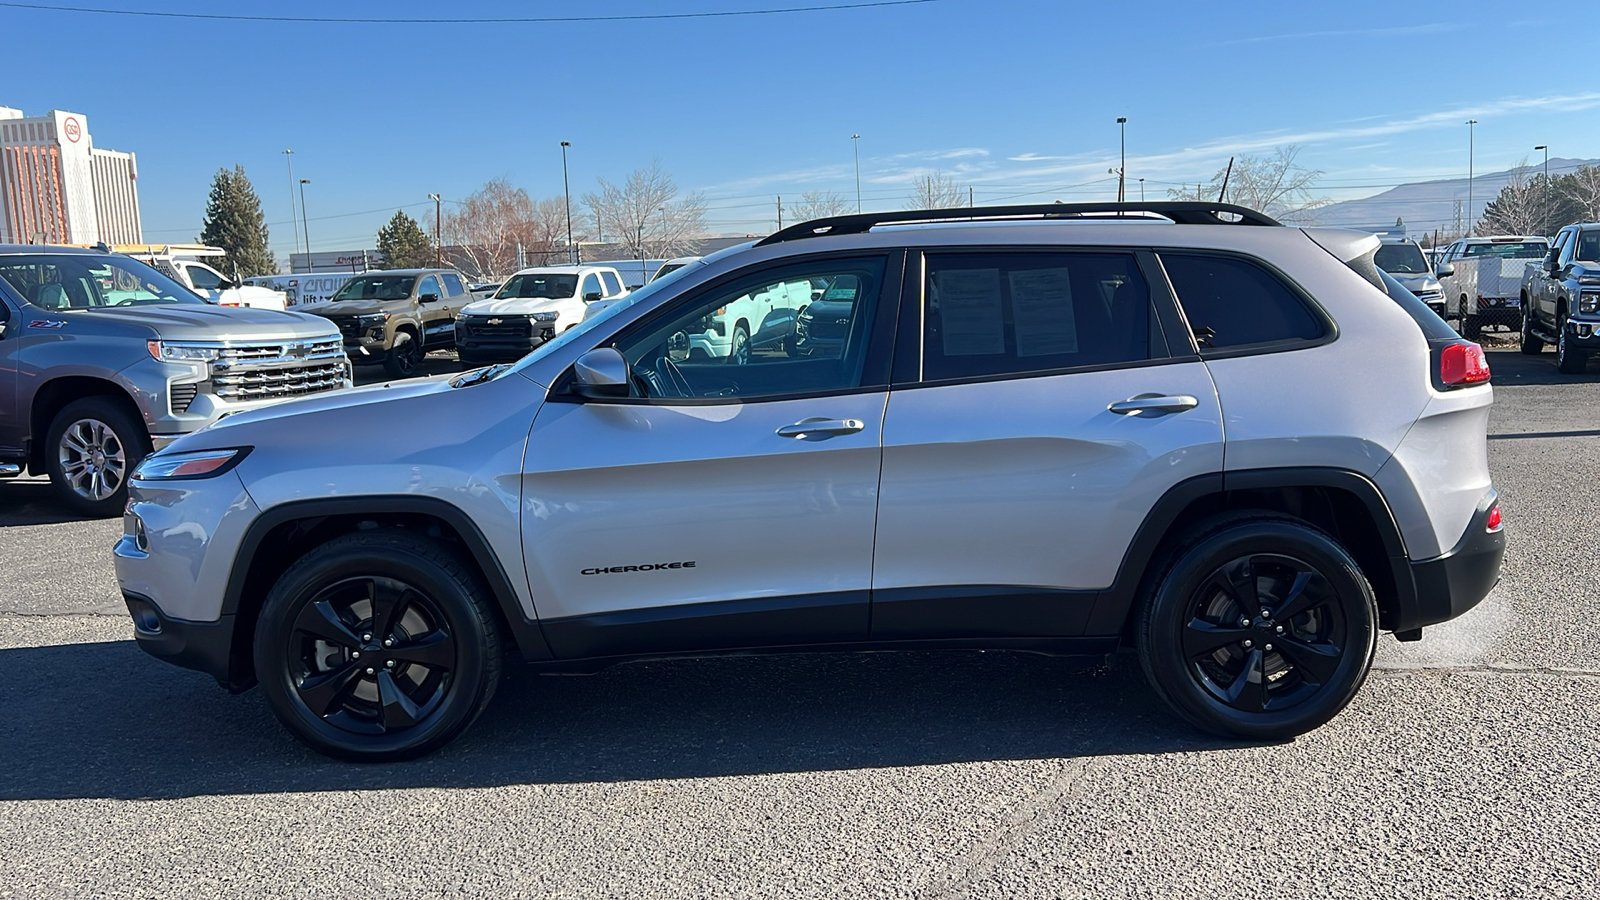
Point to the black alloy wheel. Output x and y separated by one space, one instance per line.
378 646
1569 361
1532 344
1259 627
404 357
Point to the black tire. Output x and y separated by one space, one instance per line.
404 357
1471 327
739 349
346 598
91 447
1569 361
1199 656
1532 344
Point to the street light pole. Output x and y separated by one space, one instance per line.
306 223
1141 190
288 157
566 187
1122 170
855 141
1471 151
1546 149
438 235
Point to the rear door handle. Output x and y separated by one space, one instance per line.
1157 404
806 428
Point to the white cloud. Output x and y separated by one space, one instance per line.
1400 31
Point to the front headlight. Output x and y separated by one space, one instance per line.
1589 302
545 316
184 351
1589 279
195 464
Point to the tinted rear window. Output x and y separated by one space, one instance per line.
1433 327
1234 303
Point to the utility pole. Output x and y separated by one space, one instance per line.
306 223
1122 170
438 234
1141 190
855 141
288 157
1471 152
567 188
780 212
971 203
1546 149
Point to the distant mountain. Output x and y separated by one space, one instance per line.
1427 205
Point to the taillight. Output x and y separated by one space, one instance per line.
1493 524
1462 363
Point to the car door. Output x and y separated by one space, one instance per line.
718 505
438 322
11 420
1037 416
456 294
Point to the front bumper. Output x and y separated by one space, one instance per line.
473 344
203 646
1584 334
1451 584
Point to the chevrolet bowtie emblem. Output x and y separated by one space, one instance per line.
494 321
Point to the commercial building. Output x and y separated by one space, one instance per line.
56 187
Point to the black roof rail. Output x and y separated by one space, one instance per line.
1181 212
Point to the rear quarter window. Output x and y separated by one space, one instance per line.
1233 303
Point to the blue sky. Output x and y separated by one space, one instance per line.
1017 99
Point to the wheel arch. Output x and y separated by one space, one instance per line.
1345 504
284 534
54 395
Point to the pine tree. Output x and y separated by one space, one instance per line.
234 223
404 244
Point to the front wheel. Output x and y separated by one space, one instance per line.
92 446
739 352
378 646
1569 359
1258 627
1532 345
404 357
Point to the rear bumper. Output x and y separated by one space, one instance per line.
203 646
1449 585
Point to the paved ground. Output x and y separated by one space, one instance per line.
1467 766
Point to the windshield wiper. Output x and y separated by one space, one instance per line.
479 376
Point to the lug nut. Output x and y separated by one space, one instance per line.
388 642
1280 629
1249 644
388 663
1267 647
366 637
355 654
1244 623
369 671
1266 613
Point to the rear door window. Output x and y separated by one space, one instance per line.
453 283
613 283
1022 312
1234 303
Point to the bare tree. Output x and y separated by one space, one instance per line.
935 190
646 214
1274 184
1521 207
1583 192
819 205
489 227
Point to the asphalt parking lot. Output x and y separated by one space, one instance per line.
1466 767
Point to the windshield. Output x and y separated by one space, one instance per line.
376 287
581 330
1510 249
90 281
539 285
1402 259
667 269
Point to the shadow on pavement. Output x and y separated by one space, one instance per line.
103 720
31 501
439 362
1510 368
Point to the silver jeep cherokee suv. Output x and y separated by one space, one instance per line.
1058 429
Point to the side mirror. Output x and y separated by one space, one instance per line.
591 297
1444 270
225 285
429 298
601 374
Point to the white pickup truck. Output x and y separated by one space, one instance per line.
1485 287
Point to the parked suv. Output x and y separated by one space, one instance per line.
103 358
1403 258
529 309
1019 444
1561 294
396 316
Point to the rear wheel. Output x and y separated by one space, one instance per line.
92 446
739 352
378 646
1569 360
1531 343
1471 327
1258 627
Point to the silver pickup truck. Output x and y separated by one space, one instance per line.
103 359
1561 294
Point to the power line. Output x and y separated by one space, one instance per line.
520 20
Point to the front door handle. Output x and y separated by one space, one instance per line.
809 428
1155 404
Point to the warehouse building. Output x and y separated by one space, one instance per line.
56 187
